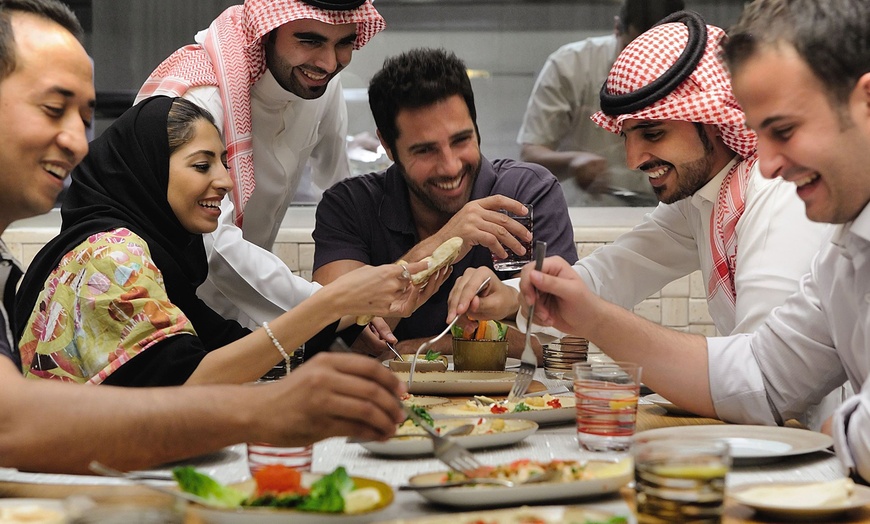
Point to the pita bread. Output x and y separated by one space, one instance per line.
443 256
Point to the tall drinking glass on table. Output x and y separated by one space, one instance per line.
606 394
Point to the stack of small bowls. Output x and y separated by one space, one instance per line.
560 356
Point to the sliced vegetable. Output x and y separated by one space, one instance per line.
432 355
423 414
481 330
207 488
457 331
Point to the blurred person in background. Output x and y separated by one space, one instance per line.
557 132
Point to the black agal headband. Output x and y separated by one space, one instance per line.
612 104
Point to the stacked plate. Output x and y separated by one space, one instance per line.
560 356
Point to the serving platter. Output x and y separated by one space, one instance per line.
607 477
248 515
460 382
537 514
512 432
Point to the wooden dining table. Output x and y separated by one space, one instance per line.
556 441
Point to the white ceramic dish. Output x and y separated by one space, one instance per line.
460 382
510 363
210 515
538 514
750 444
860 497
459 408
32 511
513 432
613 476
669 406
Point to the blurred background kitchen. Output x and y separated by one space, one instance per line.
504 43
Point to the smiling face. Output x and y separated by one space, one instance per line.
438 154
304 55
198 179
46 104
824 151
677 157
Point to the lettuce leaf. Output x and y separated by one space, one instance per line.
327 494
207 488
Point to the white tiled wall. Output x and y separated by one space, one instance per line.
680 305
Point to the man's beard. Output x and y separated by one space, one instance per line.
448 207
691 177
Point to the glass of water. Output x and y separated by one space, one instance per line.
680 480
515 262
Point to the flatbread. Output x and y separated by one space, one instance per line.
443 256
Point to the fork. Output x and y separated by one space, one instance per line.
528 360
447 451
431 341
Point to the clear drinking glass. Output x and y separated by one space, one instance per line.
514 262
680 480
606 394
262 454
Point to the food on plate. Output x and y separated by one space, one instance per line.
480 330
482 405
812 495
522 470
482 426
431 361
423 400
443 256
282 487
31 514
524 515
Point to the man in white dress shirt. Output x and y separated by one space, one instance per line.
556 131
748 236
812 114
268 72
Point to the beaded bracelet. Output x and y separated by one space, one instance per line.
277 344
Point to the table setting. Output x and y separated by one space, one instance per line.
598 488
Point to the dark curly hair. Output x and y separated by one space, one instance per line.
414 79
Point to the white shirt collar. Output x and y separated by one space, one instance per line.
710 192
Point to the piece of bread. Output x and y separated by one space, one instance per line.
443 256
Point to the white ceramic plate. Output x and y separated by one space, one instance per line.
459 408
669 406
513 432
460 382
750 444
612 477
210 515
34 511
510 363
860 497
540 514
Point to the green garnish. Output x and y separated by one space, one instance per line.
611 520
327 494
422 413
521 407
432 355
207 488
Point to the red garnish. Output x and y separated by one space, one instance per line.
555 403
496 409
278 479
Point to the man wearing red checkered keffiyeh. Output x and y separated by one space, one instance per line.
669 95
268 72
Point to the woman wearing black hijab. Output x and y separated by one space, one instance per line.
112 299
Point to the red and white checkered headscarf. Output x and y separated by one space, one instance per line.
233 58
705 97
